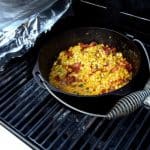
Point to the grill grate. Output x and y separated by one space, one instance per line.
32 113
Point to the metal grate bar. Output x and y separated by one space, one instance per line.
90 122
117 129
4 98
114 132
54 130
15 82
9 104
6 82
138 130
144 138
8 68
10 72
19 74
75 141
41 136
108 126
128 129
19 105
36 119
15 88
92 134
32 114
60 135
22 108
148 148
20 114
37 127
69 137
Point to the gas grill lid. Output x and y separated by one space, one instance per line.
138 8
23 21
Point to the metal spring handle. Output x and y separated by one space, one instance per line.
128 104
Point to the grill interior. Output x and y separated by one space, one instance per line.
33 115
28 110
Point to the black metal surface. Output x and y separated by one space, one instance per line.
30 112
137 7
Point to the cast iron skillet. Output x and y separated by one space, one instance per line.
93 105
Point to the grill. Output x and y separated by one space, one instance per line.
39 120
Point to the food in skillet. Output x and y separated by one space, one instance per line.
90 69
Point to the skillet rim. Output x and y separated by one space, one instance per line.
92 96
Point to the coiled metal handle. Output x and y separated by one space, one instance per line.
128 104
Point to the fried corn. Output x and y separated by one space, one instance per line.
90 69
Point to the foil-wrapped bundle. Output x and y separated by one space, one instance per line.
23 21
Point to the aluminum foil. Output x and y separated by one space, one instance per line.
23 21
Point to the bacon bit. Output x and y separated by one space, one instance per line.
122 63
129 67
107 50
68 73
75 67
111 88
57 78
114 69
82 45
95 69
93 44
70 79
113 50
119 81
69 54
103 91
59 61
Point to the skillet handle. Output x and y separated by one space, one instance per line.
37 76
128 104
